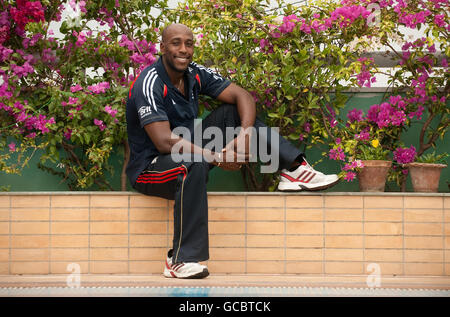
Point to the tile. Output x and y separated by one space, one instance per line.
265 241
4 255
383 215
149 214
110 201
108 267
29 228
304 201
383 242
67 268
4 214
69 214
304 254
423 215
230 240
30 241
30 214
265 201
383 255
227 254
5 201
4 268
108 240
344 268
77 201
304 227
304 267
146 267
381 202
423 202
304 241
4 227
30 201
108 254
447 202
69 254
424 256
148 254
266 267
343 214
343 201
227 267
423 229
383 228
4 241
340 241
265 214
344 255
265 254
387 269
304 214
424 243
265 227
424 268
29 255
141 201
116 227
231 201
345 228
70 241
226 214
226 227
73 227
106 214
34 267
142 227
150 240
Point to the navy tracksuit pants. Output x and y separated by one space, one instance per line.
185 183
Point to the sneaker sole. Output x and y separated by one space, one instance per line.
295 187
199 275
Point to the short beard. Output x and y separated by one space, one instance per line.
172 66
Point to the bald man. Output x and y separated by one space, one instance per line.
163 98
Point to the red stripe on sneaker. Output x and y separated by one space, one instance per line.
305 177
312 176
289 177
299 176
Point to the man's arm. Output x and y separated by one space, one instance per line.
164 140
244 102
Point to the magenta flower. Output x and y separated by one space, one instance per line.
405 155
337 154
99 88
12 146
76 88
100 124
350 176
355 115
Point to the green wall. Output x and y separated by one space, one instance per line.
34 179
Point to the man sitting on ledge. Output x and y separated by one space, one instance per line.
164 98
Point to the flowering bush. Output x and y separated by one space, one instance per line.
419 84
66 93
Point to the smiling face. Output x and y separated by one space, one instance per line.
177 47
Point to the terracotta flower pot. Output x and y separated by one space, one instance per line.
425 176
372 177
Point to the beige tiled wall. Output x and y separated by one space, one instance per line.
128 233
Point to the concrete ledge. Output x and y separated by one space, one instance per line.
313 234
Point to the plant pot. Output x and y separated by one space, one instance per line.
425 176
372 177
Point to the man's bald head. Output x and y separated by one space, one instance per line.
171 29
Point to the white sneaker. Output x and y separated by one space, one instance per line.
185 270
305 178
